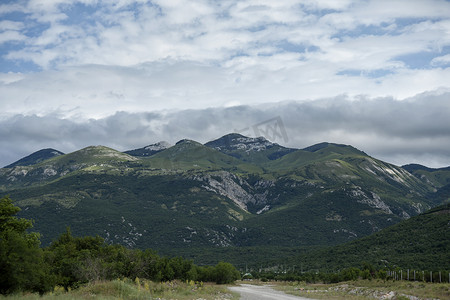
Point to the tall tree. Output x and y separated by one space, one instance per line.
21 259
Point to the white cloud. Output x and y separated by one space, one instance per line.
7 36
100 57
441 60
385 11
10 25
94 91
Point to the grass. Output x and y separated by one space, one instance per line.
368 289
139 289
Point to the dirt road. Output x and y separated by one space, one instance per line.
257 292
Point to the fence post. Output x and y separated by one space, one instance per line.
431 276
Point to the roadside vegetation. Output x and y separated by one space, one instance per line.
137 289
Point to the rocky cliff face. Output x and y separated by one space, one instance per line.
237 189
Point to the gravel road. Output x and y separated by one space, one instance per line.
257 292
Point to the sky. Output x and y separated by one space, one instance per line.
374 74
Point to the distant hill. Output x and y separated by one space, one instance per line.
416 167
437 178
36 157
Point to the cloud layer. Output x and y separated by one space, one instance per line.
126 73
415 130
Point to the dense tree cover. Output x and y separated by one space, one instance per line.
77 260
70 261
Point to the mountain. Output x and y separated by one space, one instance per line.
188 154
436 177
36 157
149 150
416 168
231 192
89 159
332 147
254 150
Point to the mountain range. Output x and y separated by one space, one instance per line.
232 192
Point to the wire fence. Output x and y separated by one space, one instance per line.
414 275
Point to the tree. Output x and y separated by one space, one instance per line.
21 259
226 273
77 260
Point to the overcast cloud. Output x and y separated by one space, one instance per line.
125 74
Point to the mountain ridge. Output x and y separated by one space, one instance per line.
195 195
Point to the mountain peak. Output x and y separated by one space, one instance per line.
159 146
102 152
325 145
256 150
149 150
36 157
186 141
236 141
